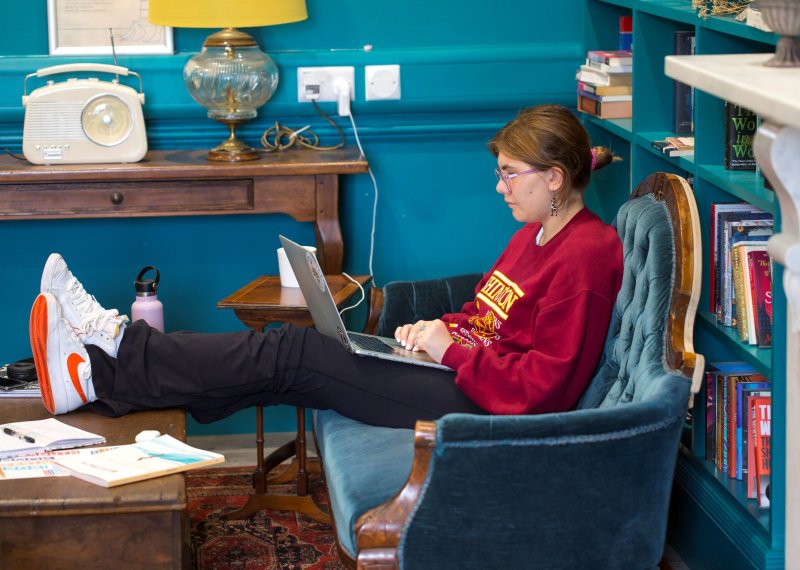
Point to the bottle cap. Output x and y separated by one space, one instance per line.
146 287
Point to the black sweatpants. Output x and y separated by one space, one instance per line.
215 375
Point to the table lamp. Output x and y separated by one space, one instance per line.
231 76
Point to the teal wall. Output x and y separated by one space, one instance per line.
467 67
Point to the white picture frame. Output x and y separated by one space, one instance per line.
84 27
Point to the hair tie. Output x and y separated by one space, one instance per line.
594 158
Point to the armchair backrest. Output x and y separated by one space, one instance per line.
411 301
651 325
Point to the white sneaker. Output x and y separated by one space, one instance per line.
62 363
92 323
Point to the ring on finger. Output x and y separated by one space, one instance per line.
422 328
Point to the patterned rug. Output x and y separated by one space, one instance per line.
266 540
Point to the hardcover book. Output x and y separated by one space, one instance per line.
156 457
598 77
724 241
717 209
611 57
760 268
740 128
745 320
603 90
605 109
604 98
750 230
683 118
754 385
625 32
611 69
762 412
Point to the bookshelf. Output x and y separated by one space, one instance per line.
712 523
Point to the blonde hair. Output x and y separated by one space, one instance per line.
550 136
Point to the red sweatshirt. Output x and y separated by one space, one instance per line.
532 337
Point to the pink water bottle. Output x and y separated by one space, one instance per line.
147 306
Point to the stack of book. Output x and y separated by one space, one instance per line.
604 84
741 271
738 425
675 146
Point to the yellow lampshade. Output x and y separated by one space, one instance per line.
226 13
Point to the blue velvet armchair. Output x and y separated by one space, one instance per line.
588 488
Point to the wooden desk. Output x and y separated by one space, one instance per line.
257 304
302 183
63 522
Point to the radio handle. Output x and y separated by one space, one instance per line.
81 67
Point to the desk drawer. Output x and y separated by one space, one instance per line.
146 198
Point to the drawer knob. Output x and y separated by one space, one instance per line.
117 198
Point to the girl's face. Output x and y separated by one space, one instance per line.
527 191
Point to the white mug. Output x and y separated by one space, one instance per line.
288 278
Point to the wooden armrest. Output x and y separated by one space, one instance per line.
375 308
378 530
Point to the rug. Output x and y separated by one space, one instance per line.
266 540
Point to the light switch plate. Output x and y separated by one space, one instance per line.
382 82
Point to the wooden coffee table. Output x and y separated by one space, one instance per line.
64 522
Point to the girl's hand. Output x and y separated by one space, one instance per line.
430 336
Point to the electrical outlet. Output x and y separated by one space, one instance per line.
318 83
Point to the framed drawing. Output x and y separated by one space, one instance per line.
86 27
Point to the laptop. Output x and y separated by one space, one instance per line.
328 321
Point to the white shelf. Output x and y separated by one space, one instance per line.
771 92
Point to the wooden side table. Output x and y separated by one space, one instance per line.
303 183
257 304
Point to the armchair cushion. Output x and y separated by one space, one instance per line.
350 452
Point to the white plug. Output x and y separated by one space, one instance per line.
342 89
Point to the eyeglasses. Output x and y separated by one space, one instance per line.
506 177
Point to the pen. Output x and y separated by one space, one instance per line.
18 435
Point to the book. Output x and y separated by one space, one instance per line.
625 32
755 229
610 69
760 268
740 128
163 455
605 109
597 97
753 385
762 412
745 321
611 57
724 236
717 377
605 90
683 109
36 436
718 210
594 76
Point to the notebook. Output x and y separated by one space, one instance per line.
328 321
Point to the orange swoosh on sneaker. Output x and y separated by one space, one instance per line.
73 361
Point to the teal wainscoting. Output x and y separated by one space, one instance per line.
466 70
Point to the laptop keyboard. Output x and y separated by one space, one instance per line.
371 343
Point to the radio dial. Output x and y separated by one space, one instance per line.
107 120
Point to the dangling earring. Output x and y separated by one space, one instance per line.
553 207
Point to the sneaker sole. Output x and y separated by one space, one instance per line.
39 329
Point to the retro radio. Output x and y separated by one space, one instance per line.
80 121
